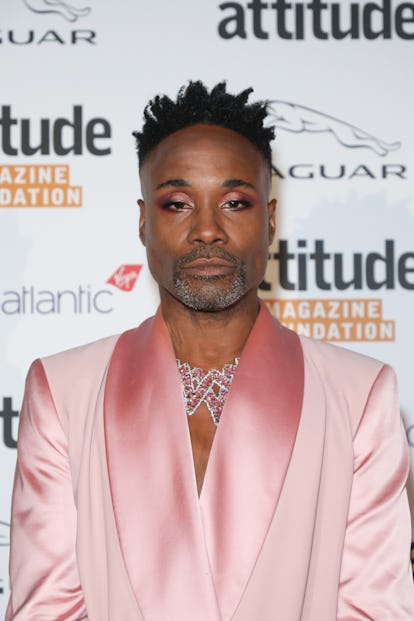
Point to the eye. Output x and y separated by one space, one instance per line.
236 204
175 206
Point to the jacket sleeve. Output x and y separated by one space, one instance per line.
376 579
44 577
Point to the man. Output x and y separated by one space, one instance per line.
210 464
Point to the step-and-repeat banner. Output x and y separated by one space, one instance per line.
75 76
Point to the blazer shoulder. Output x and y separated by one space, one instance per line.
328 353
86 359
348 377
75 377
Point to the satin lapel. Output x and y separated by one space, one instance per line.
250 455
152 480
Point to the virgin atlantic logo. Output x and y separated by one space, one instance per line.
295 118
125 277
65 9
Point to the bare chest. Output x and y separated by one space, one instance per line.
202 431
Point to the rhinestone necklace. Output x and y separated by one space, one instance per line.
210 388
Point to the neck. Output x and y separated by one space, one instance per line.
209 340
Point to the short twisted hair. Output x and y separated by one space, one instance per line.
195 104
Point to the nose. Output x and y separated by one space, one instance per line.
206 227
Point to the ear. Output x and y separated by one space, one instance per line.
271 212
141 205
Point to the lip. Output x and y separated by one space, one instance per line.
208 267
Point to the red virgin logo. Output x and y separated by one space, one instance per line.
125 277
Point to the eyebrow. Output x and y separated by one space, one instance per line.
176 183
235 183
182 183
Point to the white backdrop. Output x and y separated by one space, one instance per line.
74 80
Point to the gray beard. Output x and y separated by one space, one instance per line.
211 293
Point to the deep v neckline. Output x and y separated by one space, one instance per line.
204 397
149 457
202 442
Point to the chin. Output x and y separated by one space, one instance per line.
210 298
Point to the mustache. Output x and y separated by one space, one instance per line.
205 252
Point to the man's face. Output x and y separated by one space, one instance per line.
205 219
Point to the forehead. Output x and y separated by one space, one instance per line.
205 151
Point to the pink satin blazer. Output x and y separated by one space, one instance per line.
303 514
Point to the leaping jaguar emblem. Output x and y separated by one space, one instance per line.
64 9
295 118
